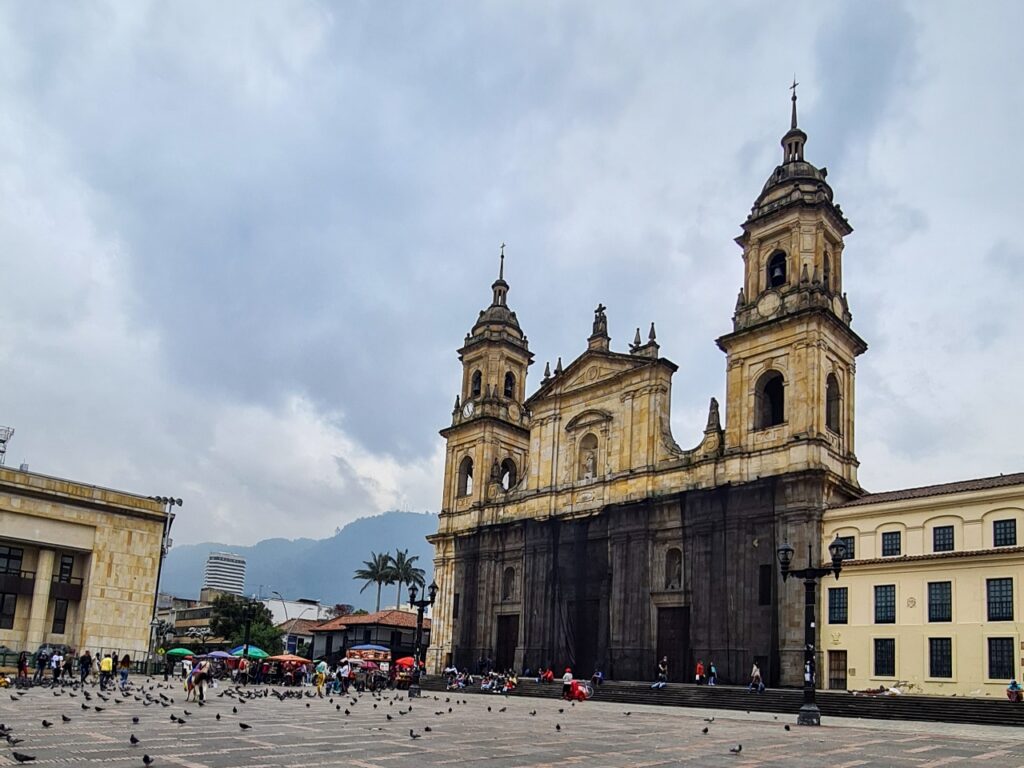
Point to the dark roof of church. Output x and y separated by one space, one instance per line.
978 484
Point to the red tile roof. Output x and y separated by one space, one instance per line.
979 484
389 618
298 626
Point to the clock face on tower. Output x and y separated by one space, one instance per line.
467 409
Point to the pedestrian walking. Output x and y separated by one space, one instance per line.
106 671
124 668
712 673
84 666
698 676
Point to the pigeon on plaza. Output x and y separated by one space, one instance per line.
414 735
627 714
244 726
428 729
135 719
709 719
389 717
65 718
234 710
47 723
704 729
558 727
787 726
133 740
503 709
98 709
218 715
147 759
737 749
186 712
84 705
23 758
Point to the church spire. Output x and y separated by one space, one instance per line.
793 141
500 287
792 122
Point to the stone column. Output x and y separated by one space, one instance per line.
40 599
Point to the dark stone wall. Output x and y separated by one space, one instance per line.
588 589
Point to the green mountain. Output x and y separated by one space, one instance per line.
313 568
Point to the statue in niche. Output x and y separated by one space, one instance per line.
600 321
589 466
673 569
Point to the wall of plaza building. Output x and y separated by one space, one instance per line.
78 564
930 599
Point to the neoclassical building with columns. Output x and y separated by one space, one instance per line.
574 529
78 564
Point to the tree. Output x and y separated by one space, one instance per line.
339 609
404 571
228 621
378 571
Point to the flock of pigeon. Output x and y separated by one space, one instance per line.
151 694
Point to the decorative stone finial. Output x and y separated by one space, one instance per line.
558 367
636 339
652 336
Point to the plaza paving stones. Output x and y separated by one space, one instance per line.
289 733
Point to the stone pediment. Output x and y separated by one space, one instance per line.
589 369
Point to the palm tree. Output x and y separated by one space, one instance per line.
378 570
404 571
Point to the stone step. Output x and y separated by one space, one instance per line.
788 701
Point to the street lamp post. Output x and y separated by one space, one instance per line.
169 503
414 686
809 713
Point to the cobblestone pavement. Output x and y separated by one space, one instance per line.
487 730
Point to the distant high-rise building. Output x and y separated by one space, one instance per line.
225 572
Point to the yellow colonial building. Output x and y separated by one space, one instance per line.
929 596
78 564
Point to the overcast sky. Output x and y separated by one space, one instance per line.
241 242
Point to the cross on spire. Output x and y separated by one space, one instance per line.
792 125
501 269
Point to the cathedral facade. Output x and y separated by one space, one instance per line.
575 531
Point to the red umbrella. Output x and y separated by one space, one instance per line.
405 661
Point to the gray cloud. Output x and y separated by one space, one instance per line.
244 240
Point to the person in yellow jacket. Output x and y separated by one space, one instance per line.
106 670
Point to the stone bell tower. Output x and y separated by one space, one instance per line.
790 380
489 435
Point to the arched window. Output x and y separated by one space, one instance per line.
466 477
827 273
508 474
587 458
477 383
777 270
510 385
674 569
832 420
508 584
769 400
